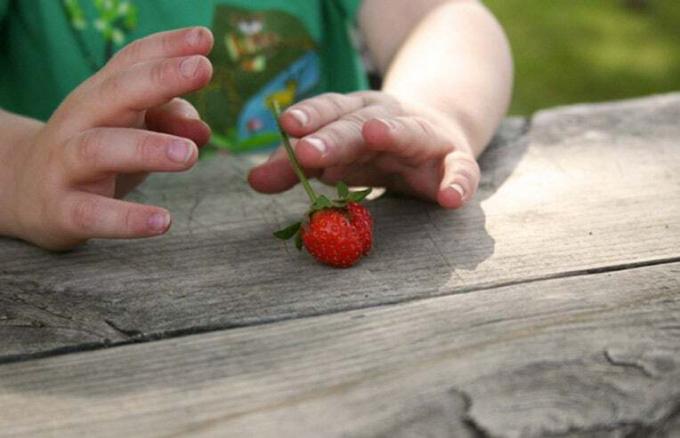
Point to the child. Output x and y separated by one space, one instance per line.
447 79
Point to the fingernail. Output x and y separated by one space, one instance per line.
194 37
158 222
189 66
300 116
179 151
318 144
459 189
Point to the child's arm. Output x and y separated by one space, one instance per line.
448 77
58 180
456 59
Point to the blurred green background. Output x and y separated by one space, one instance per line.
569 51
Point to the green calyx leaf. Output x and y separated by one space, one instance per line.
289 231
321 203
298 241
346 195
359 196
343 190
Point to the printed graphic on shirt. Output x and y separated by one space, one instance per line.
114 20
259 56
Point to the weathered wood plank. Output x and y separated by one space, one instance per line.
592 355
587 187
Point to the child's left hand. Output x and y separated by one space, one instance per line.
372 139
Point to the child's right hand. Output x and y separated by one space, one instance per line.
126 120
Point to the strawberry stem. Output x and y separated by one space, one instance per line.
291 155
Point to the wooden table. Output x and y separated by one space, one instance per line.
550 306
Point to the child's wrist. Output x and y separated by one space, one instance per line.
14 151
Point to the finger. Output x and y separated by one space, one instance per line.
311 114
88 216
339 142
276 175
171 44
118 100
101 151
178 117
412 138
460 180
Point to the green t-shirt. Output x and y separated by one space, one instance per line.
264 49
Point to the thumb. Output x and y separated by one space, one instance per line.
460 180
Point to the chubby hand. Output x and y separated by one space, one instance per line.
372 139
120 124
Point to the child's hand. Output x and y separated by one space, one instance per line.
371 139
100 143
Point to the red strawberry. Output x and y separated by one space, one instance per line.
339 236
363 222
339 232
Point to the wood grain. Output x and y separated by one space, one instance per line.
592 355
581 189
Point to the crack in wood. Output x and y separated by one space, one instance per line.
446 414
475 429
59 351
566 274
192 211
131 337
631 365
627 429
127 333
35 288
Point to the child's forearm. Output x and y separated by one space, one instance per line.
16 133
456 59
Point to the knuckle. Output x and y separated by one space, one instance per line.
90 147
160 73
466 171
111 87
131 51
166 42
82 218
424 126
325 104
382 99
330 96
335 104
80 93
332 136
129 224
371 96
147 148
355 120
475 168
467 160
467 174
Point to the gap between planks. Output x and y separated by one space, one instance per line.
140 338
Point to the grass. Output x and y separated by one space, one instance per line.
569 51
